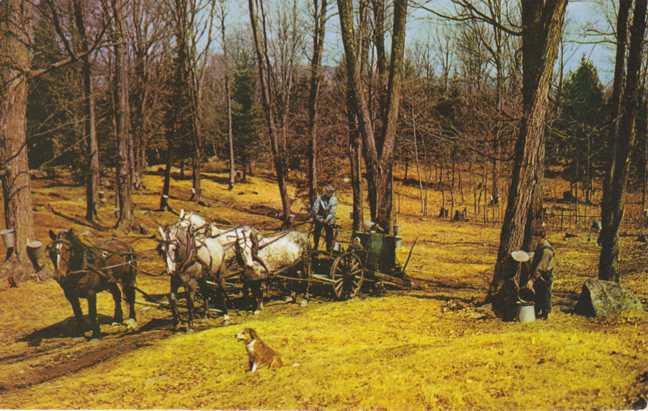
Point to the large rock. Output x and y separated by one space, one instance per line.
605 298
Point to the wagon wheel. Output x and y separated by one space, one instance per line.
347 273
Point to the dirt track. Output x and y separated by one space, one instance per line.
52 352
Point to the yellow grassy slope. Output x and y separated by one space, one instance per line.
413 350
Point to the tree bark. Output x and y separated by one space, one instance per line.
90 120
228 101
263 64
120 107
319 9
15 61
623 145
615 101
542 22
378 157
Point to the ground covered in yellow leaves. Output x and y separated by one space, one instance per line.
430 348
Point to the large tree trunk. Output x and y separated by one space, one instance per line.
542 22
15 62
90 121
615 101
623 144
319 10
378 151
120 107
263 64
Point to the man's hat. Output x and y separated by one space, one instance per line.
520 256
329 189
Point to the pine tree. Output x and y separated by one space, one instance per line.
578 137
245 118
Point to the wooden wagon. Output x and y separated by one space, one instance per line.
369 260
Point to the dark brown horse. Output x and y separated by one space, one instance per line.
83 270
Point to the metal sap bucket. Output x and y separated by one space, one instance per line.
9 237
526 312
34 250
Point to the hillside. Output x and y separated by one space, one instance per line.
430 348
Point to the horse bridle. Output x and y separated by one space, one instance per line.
190 249
85 266
254 251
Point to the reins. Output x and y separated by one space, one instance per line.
86 266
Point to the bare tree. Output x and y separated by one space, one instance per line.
379 150
319 29
228 97
120 114
146 30
542 22
89 107
268 79
624 137
15 66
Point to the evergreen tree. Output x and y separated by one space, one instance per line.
245 118
577 140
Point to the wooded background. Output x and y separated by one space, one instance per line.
481 111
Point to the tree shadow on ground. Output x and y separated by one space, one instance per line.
77 220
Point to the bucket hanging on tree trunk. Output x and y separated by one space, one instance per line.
8 237
34 251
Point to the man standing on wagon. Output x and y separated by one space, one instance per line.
324 217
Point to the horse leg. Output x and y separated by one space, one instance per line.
129 292
76 307
173 301
92 313
224 298
204 290
116 294
246 302
257 291
189 307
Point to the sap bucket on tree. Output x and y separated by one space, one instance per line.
8 237
34 251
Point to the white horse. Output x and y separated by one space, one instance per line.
264 256
225 236
229 238
190 261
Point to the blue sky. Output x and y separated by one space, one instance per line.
420 25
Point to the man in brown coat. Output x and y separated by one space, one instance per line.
540 276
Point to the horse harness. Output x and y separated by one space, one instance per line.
86 263
191 249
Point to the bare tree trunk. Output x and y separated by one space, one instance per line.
615 101
319 19
378 157
90 122
263 63
228 101
542 21
120 107
15 61
419 175
166 185
198 149
623 144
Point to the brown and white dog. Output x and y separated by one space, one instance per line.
259 354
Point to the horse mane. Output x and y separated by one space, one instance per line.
78 250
